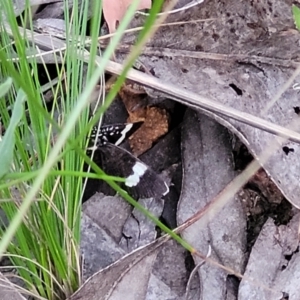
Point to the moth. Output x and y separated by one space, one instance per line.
140 180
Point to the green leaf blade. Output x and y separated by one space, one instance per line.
7 145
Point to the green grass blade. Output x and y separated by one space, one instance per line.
5 86
296 14
7 145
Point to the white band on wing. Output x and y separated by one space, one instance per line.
139 170
123 134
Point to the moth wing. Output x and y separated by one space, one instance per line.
114 134
119 162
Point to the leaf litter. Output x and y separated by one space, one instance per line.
244 86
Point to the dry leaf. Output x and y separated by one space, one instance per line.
155 120
110 281
207 169
155 125
114 11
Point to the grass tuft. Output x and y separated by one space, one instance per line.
41 178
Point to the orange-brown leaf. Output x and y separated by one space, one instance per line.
114 10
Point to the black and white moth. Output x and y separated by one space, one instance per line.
141 180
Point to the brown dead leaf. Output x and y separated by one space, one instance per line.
155 126
134 100
155 120
114 11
